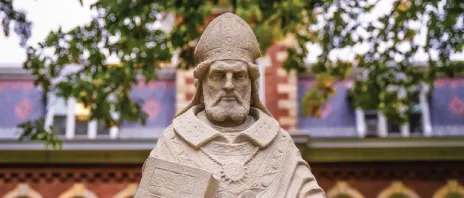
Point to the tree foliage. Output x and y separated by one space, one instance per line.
391 76
9 16
127 29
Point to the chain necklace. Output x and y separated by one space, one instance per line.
232 172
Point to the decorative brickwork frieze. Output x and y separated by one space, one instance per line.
52 180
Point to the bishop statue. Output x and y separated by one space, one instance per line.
225 143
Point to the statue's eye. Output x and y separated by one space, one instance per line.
217 75
239 76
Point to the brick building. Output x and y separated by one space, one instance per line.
353 153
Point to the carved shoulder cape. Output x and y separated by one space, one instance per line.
262 161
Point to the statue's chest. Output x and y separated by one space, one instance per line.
244 170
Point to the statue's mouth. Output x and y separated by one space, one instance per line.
228 98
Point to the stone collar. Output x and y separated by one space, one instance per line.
197 133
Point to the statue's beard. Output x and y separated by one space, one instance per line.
219 110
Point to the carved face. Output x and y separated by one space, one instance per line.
227 91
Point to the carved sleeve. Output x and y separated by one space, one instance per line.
304 184
308 186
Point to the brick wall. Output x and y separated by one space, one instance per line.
281 88
185 88
109 180
51 181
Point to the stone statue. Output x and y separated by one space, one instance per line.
226 131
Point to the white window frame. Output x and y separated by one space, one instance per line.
361 125
382 128
425 110
360 122
261 80
71 120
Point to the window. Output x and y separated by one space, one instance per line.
129 191
80 126
23 191
372 123
78 191
101 129
398 190
451 190
82 115
415 127
59 118
393 129
343 190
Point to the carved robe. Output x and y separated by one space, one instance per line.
261 161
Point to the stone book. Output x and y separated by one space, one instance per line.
164 179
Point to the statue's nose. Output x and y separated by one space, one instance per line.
229 85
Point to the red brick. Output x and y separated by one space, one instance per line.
285 126
283 96
283 113
189 81
55 179
283 80
188 96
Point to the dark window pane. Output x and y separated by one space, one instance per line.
101 129
415 118
416 108
415 123
81 127
371 124
393 128
59 124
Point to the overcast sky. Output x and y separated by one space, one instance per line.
47 15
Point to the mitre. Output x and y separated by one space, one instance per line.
227 37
